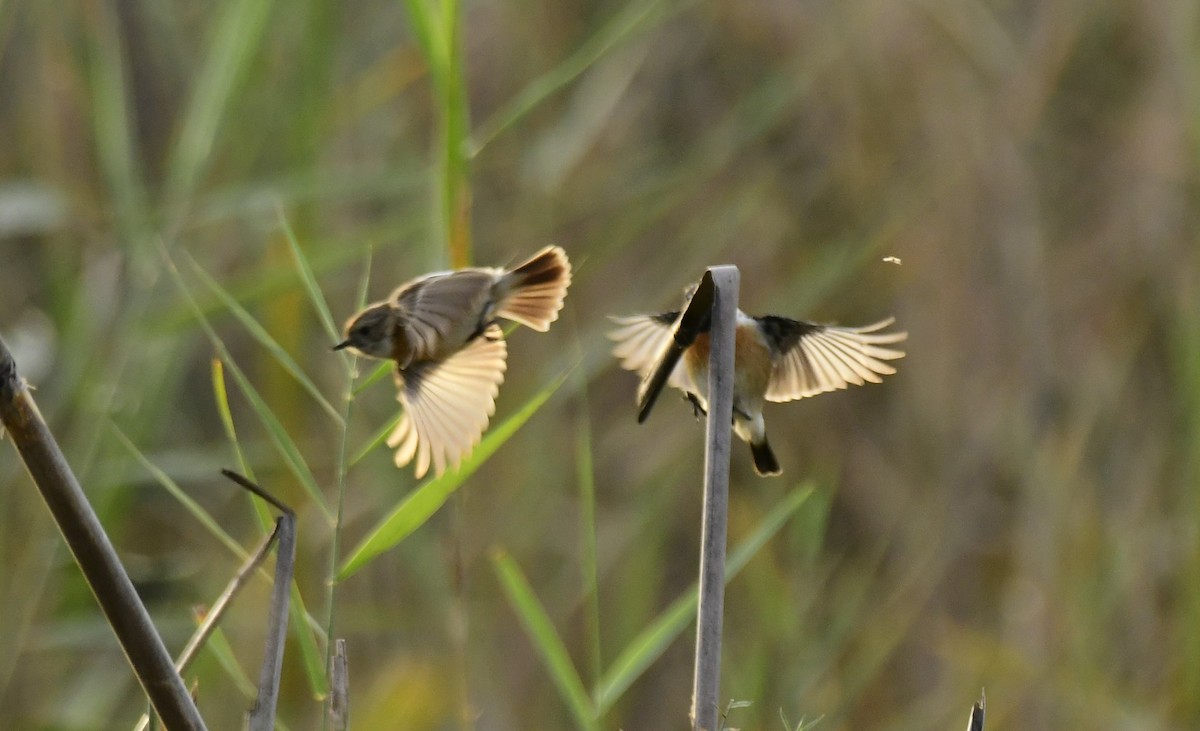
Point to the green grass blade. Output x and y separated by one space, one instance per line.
422 503
436 26
305 629
200 514
254 287
449 25
379 438
549 645
650 644
381 371
113 127
309 279
455 164
429 37
302 623
279 436
222 398
303 626
264 338
634 17
283 441
586 470
220 648
647 647
236 34
364 284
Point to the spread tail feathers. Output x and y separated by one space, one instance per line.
534 291
765 463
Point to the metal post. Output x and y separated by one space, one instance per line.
706 682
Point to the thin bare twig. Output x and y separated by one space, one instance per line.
93 552
214 615
262 714
217 612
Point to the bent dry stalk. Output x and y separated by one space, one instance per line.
262 714
217 611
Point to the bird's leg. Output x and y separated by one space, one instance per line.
697 409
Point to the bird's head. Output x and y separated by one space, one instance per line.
369 332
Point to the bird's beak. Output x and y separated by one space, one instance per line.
341 345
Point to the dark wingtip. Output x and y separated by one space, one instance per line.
977 711
645 402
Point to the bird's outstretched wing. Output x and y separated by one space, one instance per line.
447 404
642 341
810 358
436 308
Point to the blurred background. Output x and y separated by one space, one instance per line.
1015 510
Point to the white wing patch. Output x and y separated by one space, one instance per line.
831 358
447 404
641 341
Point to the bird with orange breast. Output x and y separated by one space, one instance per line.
441 330
775 359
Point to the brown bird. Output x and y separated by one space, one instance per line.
775 359
441 331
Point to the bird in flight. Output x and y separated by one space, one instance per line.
775 359
441 330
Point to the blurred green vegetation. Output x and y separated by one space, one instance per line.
1018 508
